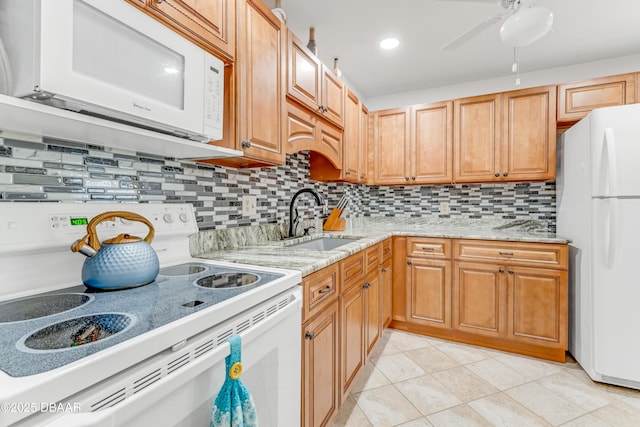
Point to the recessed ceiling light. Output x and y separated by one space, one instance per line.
389 43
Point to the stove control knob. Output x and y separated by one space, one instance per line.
184 217
168 218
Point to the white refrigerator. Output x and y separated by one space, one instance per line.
598 197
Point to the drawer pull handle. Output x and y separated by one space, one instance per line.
325 290
309 335
506 253
501 270
425 248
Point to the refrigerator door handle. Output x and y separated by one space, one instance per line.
610 143
612 231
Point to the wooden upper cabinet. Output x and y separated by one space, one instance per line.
351 142
312 84
208 23
364 156
476 139
577 99
529 135
260 89
431 143
391 146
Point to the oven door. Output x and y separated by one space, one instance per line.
109 58
271 353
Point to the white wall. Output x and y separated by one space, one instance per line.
566 74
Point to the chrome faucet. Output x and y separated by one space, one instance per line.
294 220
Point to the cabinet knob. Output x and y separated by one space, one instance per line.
506 174
367 285
413 178
347 173
501 270
384 270
325 290
510 271
409 262
406 178
361 176
309 335
387 250
245 144
497 174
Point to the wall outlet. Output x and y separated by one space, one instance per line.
249 205
444 208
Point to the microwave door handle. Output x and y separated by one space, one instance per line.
612 165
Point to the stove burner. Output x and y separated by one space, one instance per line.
40 306
182 270
227 280
75 332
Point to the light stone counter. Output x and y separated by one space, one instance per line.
270 252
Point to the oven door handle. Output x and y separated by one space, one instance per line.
119 415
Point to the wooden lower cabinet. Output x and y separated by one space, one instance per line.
352 336
320 367
537 301
373 322
386 283
512 296
479 299
429 292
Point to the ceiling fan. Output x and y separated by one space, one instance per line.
524 23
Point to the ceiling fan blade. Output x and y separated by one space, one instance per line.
472 32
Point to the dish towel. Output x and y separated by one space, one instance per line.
234 407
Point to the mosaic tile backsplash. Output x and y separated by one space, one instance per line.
36 169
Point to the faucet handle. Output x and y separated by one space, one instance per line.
306 230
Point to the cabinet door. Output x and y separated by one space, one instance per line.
332 97
529 134
429 292
386 275
320 386
537 306
363 156
476 139
577 99
432 143
373 323
303 73
210 23
261 106
352 317
479 299
390 143
351 143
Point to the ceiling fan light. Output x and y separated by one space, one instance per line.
526 26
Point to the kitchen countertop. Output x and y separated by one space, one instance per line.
369 231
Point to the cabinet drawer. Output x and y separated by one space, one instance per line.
351 271
422 247
386 249
319 289
547 255
373 257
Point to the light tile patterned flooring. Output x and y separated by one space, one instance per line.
416 381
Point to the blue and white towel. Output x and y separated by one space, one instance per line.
234 405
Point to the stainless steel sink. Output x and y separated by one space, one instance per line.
324 243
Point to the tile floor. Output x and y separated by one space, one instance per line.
416 381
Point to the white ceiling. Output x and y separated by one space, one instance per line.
583 31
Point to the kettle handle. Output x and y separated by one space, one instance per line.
92 234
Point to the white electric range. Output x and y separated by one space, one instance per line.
155 354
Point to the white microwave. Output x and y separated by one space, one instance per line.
107 58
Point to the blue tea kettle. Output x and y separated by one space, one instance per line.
124 261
